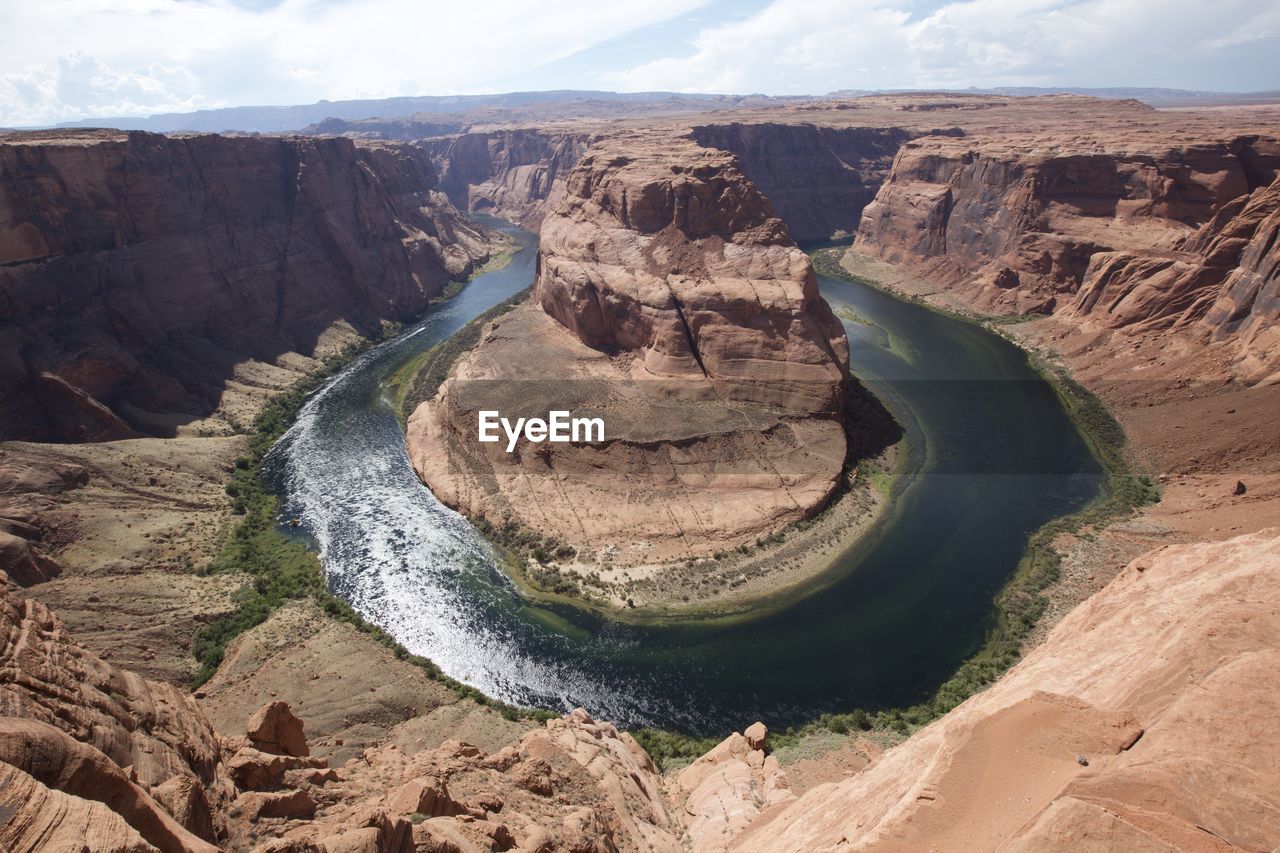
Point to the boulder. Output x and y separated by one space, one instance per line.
24 562
275 729
291 805
185 799
756 734
425 795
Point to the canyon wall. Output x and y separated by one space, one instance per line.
670 252
517 175
671 302
1222 283
136 270
818 178
403 130
1120 233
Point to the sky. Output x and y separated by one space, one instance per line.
62 60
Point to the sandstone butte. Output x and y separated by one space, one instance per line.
1145 719
671 302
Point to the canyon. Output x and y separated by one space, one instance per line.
159 291
1143 240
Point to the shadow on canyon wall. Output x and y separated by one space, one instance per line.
137 271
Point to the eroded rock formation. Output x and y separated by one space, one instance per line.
1136 725
517 175
27 492
136 270
1223 282
98 749
97 756
671 302
1118 233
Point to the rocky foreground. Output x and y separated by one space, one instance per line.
1137 725
673 304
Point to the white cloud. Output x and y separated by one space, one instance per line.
68 59
63 59
820 45
79 84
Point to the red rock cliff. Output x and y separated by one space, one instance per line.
673 255
1122 233
136 269
514 174
818 179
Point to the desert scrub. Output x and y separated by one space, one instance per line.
281 569
670 750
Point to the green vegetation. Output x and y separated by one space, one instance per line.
826 263
670 750
844 312
420 378
506 246
284 569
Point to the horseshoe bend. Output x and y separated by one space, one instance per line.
671 303
642 471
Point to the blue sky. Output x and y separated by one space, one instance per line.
68 59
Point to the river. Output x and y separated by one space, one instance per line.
993 456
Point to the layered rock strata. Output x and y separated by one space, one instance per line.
89 748
818 178
1222 284
137 270
517 174
96 757
673 304
1114 734
1114 233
